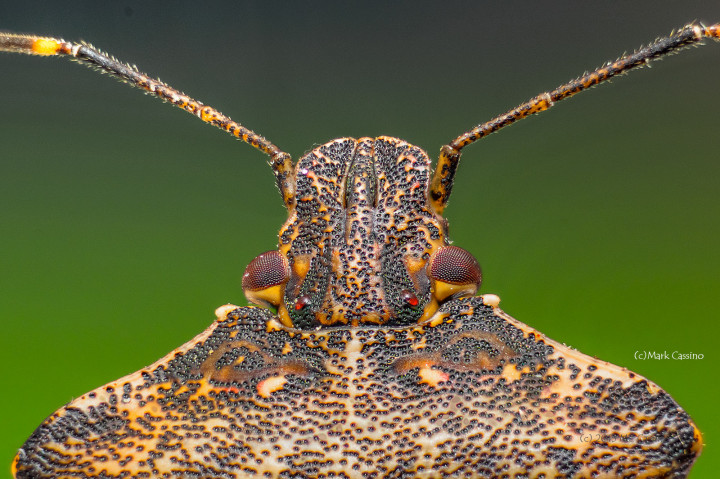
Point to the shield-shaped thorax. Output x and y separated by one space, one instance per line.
361 234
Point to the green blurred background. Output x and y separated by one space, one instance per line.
125 222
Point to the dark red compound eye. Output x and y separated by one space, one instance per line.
302 302
267 270
264 279
409 297
454 265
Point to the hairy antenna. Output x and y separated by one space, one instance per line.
442 181
280 161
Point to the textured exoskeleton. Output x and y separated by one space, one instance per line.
375 359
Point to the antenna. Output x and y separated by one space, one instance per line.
280 162
442 181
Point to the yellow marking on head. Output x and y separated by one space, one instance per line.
301 266
45 46
271 296
443 290
432 377
284 316
268 386
414 264
429 311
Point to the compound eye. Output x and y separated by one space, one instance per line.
265 277
455 273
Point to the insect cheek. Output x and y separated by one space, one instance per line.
454 272
265 278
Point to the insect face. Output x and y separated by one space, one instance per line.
362 245
377 361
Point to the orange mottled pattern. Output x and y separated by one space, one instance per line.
361 219
472 393
392 370
457 389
